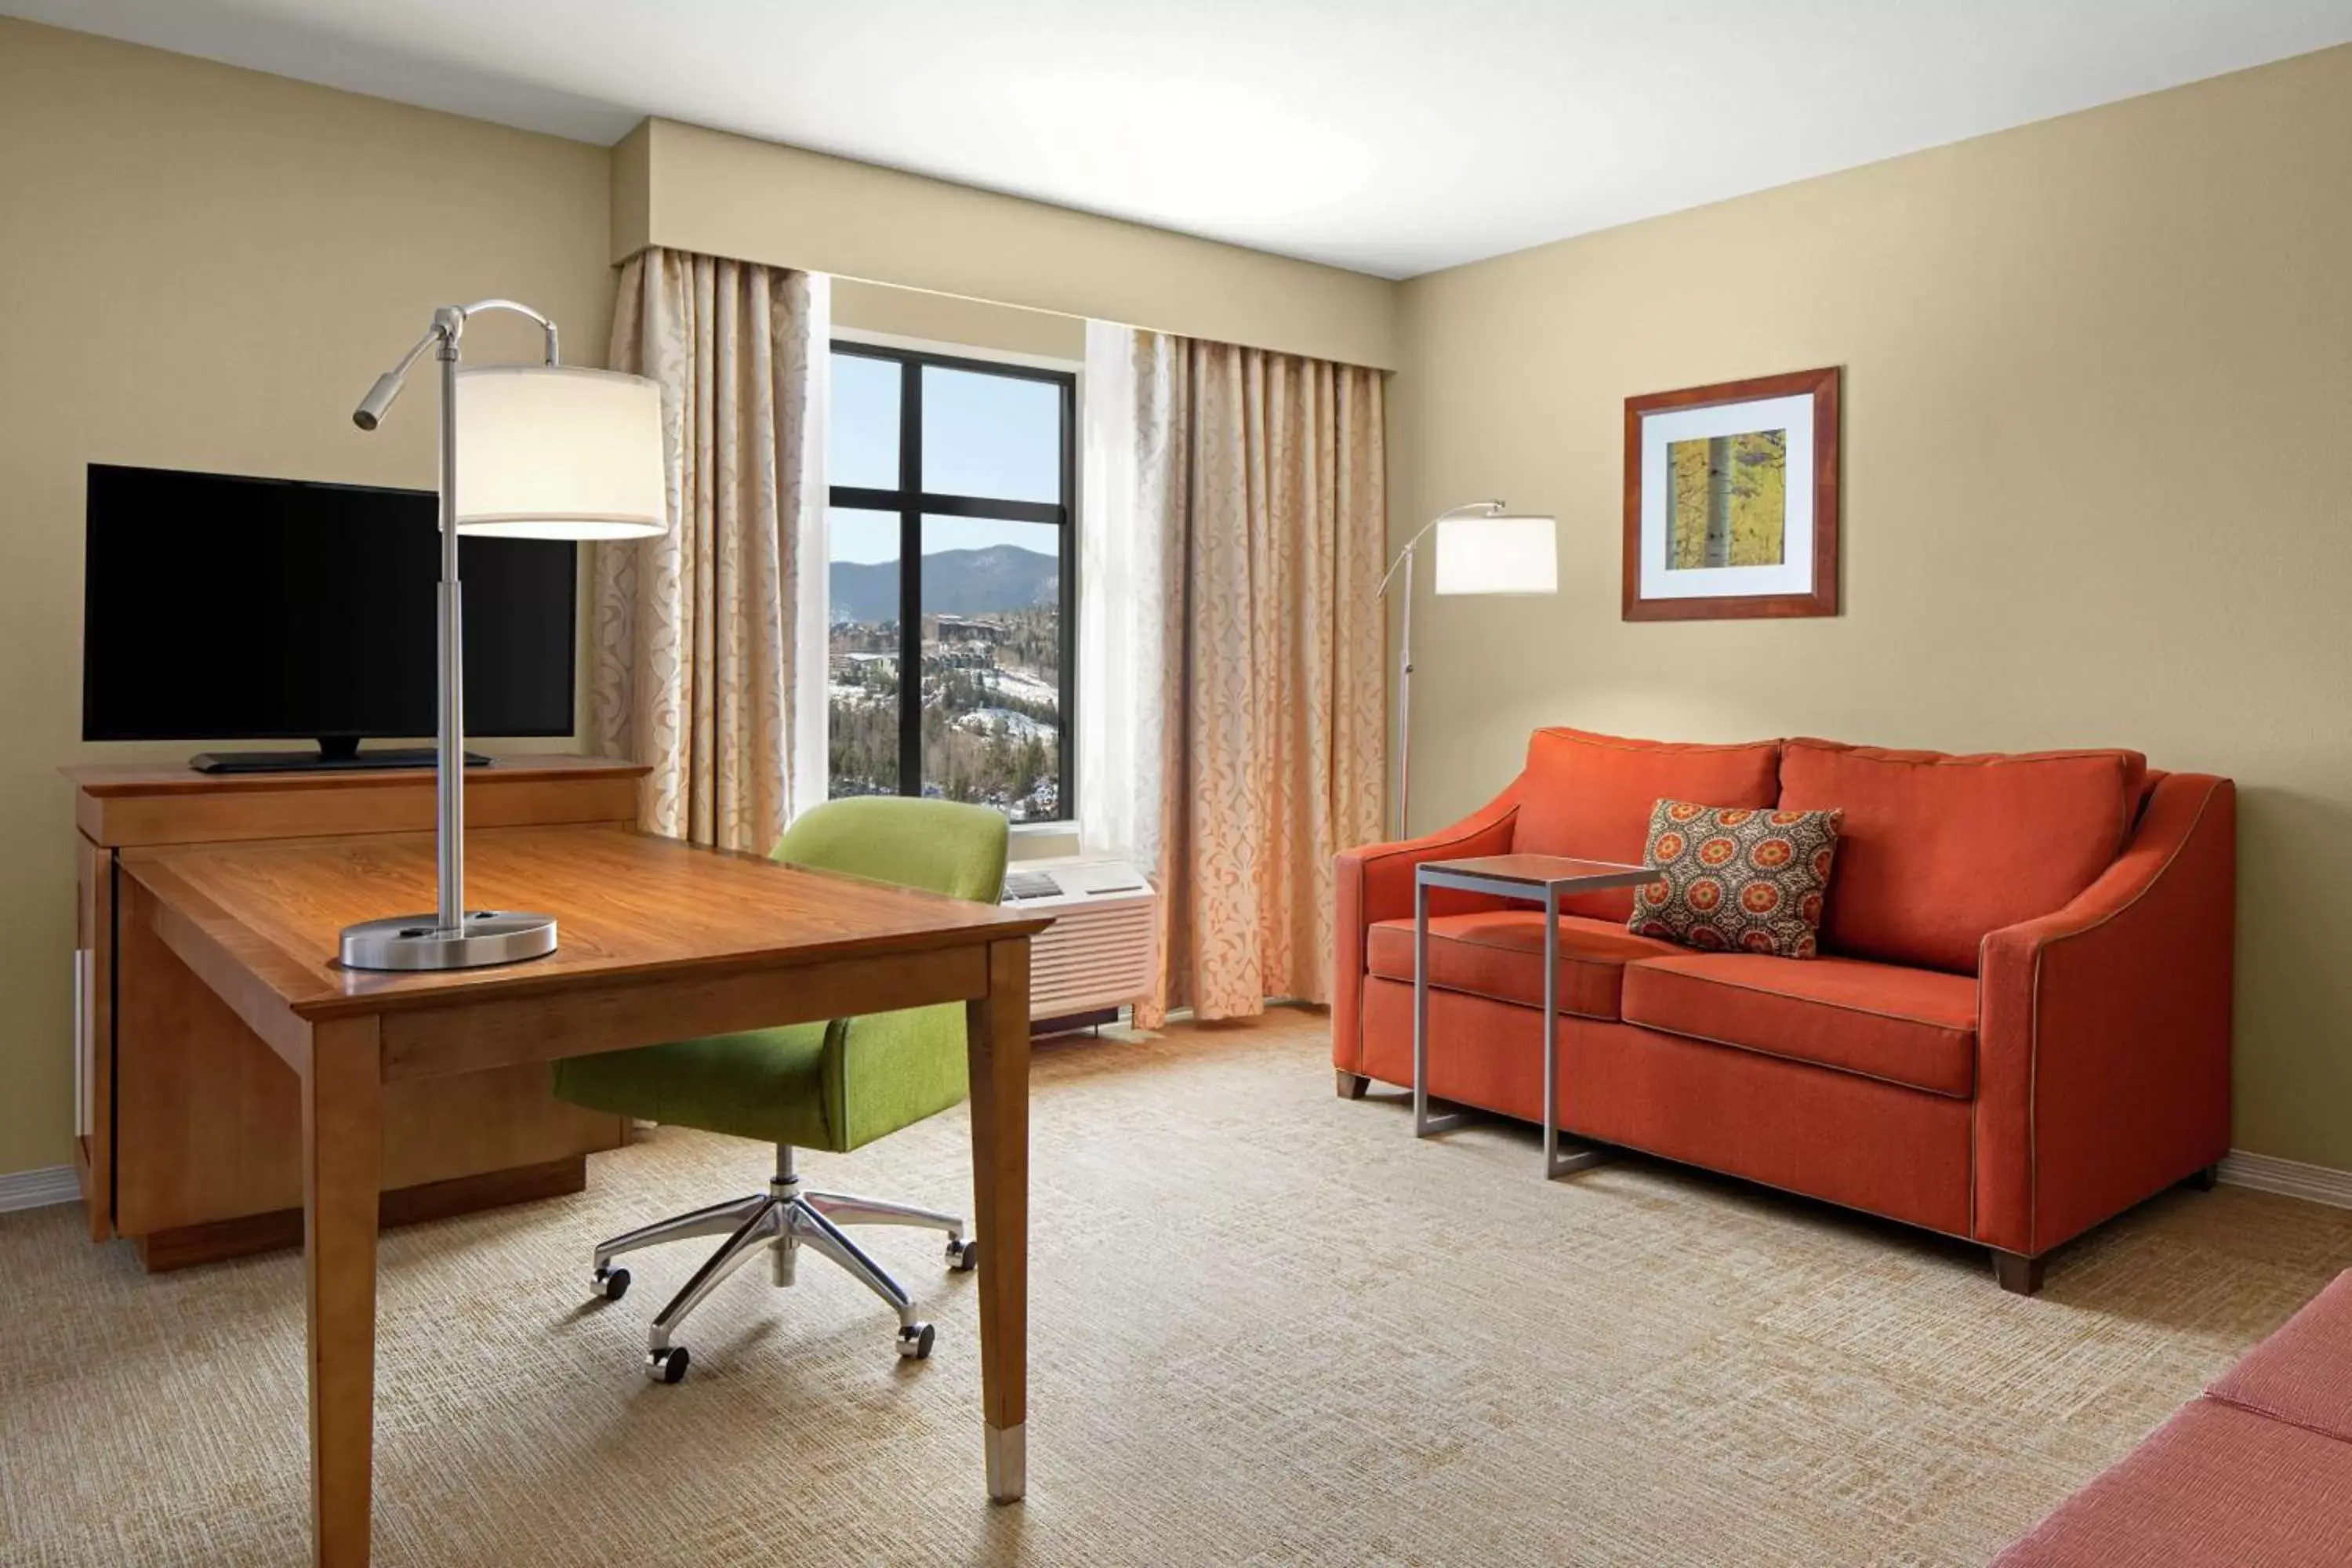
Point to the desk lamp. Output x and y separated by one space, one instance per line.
527 451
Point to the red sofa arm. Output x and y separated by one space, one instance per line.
1375 883
2102 1066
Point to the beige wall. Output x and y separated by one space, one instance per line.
692 189
2098 489
204 268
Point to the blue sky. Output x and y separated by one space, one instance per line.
983 436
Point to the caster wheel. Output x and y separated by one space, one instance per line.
666 1365
610 1283
914 1342
963 1255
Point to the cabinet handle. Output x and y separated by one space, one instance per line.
82 1043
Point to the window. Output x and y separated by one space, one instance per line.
951 555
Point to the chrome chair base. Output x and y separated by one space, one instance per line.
783 1219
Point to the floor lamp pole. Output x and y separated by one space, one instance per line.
1404 710
1404 562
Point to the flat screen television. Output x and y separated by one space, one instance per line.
220 607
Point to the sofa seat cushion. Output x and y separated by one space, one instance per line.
1498 954
2303 1374
2215 1486
1915 1028
1589 797
1933 851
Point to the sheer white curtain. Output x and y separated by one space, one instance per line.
1122 601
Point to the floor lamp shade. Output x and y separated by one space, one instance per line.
1501 554
558 452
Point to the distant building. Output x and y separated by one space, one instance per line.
963 629
865 637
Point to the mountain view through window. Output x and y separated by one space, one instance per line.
949 534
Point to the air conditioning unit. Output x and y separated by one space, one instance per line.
1098 955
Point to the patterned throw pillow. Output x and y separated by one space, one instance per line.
1737 880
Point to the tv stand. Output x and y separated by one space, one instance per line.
337 754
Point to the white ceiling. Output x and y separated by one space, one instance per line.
1390 136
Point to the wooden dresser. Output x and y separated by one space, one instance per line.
190 1130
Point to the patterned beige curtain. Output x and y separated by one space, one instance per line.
1261 480
693 635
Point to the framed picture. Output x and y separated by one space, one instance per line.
1731 500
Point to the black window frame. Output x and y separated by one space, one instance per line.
911 502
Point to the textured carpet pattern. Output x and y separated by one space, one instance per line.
1267 1327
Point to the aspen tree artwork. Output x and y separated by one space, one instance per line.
1731 500
1728 499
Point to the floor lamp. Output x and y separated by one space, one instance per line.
1481 549
527 451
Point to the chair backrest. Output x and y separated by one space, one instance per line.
937 845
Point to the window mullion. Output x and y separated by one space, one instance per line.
910 578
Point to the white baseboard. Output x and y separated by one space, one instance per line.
2269 1174
39 1189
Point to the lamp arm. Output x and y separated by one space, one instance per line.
1475 508
448 326
520 309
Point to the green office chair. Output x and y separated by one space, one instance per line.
832 1086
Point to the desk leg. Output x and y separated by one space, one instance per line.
342 1136
997 1029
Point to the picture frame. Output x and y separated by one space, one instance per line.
1731 500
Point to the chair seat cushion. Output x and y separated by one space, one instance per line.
1916 1028
1499 953
2303 1374
2215 1486
767 1084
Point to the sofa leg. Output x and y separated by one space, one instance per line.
2206 1179
2019 1275
1352 1084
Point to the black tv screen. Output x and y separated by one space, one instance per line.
217 607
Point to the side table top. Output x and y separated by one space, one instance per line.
1540 870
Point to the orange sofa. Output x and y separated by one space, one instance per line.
2257 1473
2018 1024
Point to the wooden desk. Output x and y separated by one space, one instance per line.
660 942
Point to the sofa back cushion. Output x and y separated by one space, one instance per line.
1936 850
1591 796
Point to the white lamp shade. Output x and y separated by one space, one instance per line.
1497 555
559 452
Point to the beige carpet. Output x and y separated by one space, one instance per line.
1268 1328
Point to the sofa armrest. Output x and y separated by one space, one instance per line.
1375 883
2103 1030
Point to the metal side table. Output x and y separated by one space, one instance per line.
1536 879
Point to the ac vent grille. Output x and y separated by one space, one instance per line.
1100 948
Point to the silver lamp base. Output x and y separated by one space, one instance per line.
418 942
